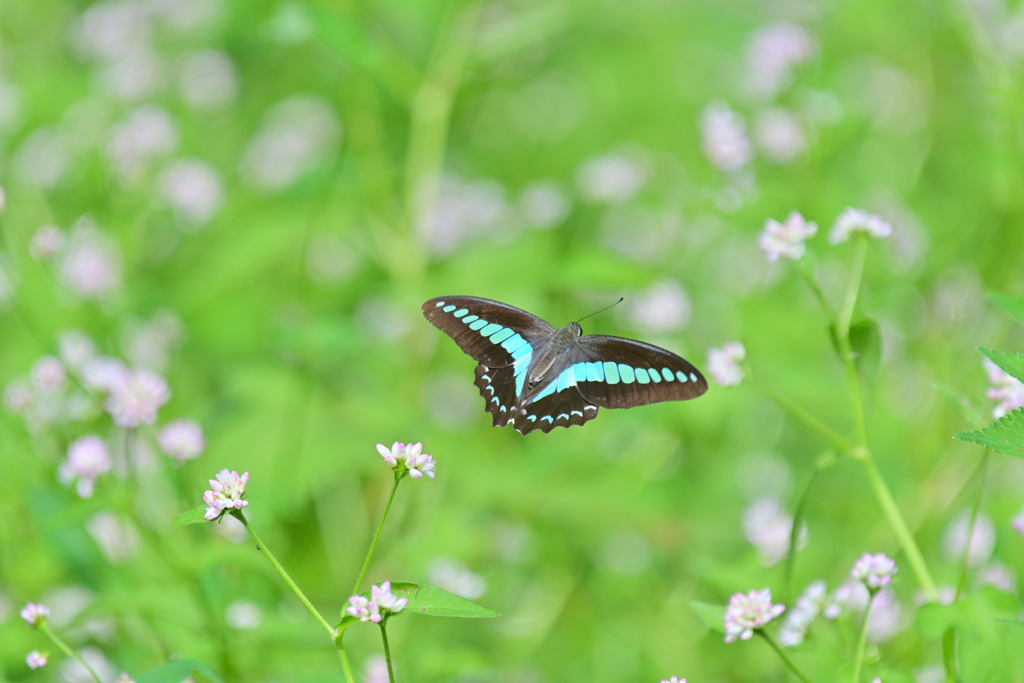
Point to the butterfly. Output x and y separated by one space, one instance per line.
536 377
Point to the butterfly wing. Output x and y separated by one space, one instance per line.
559 409
613 372
494 334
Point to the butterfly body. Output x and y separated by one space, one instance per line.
537 377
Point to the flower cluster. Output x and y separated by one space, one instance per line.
36 659
768 527
228 491
853 221
748 613
87 460
1007 391
808 607
724 364
874 570
408 459
34 614
786 239
381 603
673 680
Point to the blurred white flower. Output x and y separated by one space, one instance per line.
725 141
34 613
227 493
613 178
747 613
808 606
725 363
767 526
1007 391
330 259
91 264
674 679
464 210
149 343
182 440
786 239
208 80
185 16
543 204
193 190
104 373
982 539
875 570
297 134
1018 523
935 673
116 536
48 375
772 53
35 659
137 398
885 618
43 158
75 349
108 30
662 308
376 670
47 241
134 76
147 133
456 578
88 458
243 615
72 671
999 575
851 596
779 135
853 221
18 396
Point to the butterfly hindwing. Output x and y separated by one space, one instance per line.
498 387
613 372
558 409
493 333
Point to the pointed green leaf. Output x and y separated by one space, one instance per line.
1014 305
1011 363
193 516
1006 435
432 601
713 616
175 671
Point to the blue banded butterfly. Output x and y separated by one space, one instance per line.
533 376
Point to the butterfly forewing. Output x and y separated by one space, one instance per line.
493 333
622 373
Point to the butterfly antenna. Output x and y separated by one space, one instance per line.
621 299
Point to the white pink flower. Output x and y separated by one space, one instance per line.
182 440
748 613
362 609
725 140
408 458
227 492
803 614
1006 390
137 398
48 375
673 680
786 239
47 241
88 458
386 600
36 659
724 364
34 613
852 221
874 570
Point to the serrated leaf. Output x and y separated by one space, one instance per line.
1014 305
175 671
193 516
1011 363
434 602
713 616
1006 435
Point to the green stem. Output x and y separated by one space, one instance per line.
810 421
67 650
376 536
862 641
856 275
284 575
853 384
818 294
899 526
785 658
345 666
387 652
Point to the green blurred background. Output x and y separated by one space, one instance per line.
287 182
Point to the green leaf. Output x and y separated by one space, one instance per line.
1014 305
979 649
713 616
175 671
434 602
1012 364
431 601
1011 622
193 516
866 344
1006 435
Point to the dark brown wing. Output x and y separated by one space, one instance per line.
559 409
493 333
622 373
